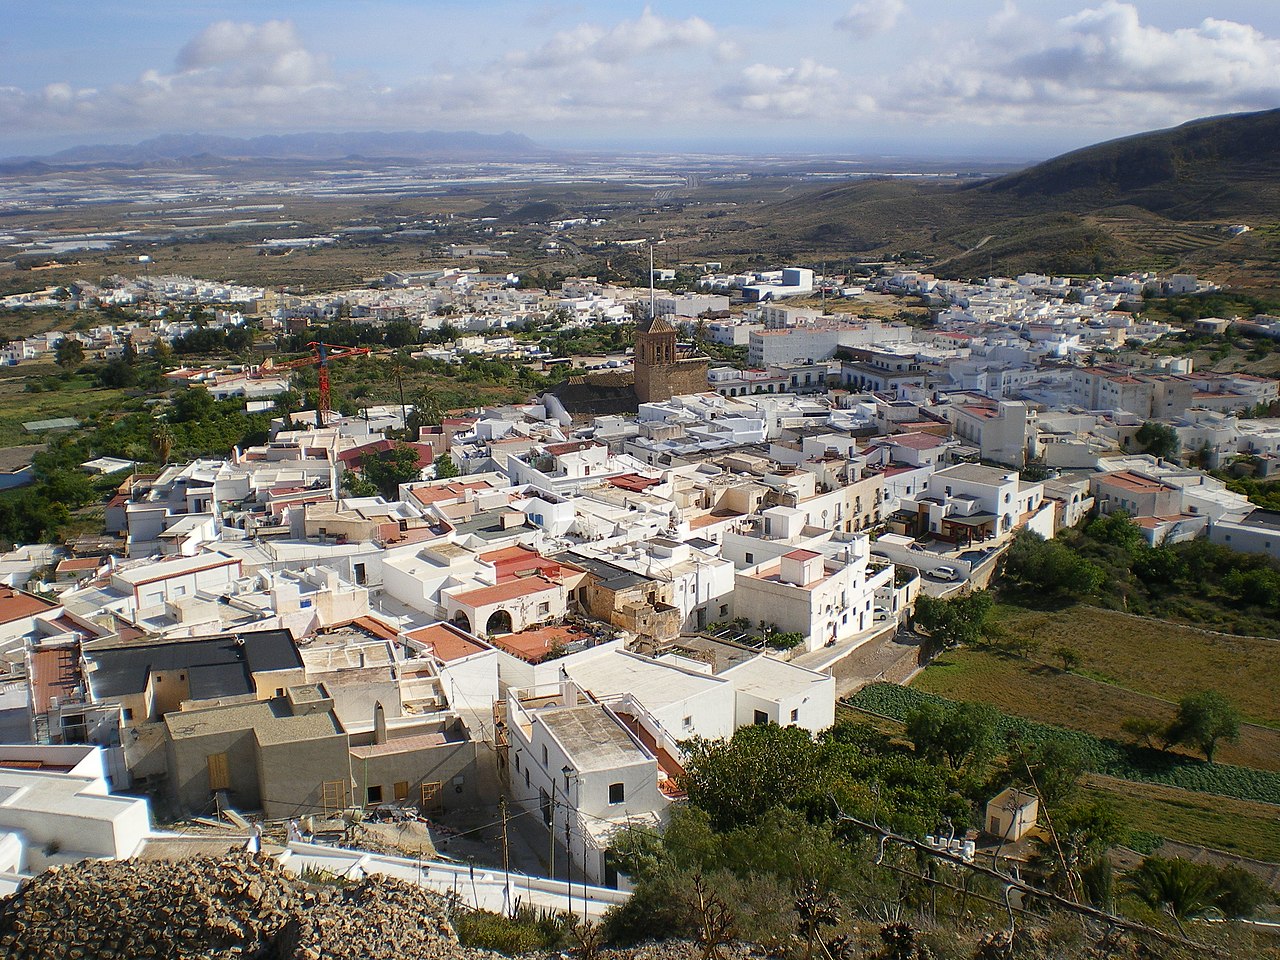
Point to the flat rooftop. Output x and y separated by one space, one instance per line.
1264 518
772 679
591 737
218 666
615 673
976 473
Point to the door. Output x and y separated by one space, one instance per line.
219 776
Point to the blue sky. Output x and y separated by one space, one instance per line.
982 78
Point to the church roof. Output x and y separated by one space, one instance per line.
655 325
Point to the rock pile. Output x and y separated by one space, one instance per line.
238 906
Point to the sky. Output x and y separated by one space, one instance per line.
997 79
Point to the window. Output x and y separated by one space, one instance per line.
359 573
544 754
761 718
544 609
751 558
373 794
279 691
617 792
526 776
724 609
517 761
795 715
687 723
128 713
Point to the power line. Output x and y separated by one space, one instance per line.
1024 887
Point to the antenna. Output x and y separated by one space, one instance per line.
652 311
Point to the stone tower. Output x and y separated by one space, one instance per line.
661 371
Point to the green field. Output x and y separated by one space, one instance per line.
77 397
1235 826
1160 659
1044 693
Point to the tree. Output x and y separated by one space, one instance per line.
445 467
388 469
1117 529
963 735
69 354
1159 440
1069 657
426 412
963 619
1050 565
1183 888
1084 832
1203 719
117 374
162 442
737 781
357 485
1146 731
1240 893
1054 765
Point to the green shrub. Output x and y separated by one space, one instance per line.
1126 761
529 930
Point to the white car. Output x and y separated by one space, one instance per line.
944 572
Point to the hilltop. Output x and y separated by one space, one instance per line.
434 144
1159 200
1216 168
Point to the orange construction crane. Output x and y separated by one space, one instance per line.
324 353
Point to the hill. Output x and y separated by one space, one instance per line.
1220 167
1159 200
460 144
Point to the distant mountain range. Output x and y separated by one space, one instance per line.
434 144
1159 200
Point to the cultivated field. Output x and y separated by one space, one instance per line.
1129 668
1235 826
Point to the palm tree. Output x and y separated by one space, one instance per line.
1183 888
162 442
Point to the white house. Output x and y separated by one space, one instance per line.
577 766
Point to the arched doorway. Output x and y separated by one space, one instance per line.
499 622
462 621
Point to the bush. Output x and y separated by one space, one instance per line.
529 930
1126 761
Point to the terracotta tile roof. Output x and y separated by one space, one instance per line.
520 587
447 643
16 605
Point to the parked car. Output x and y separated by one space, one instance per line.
944 572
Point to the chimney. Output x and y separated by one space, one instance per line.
568 689
379 723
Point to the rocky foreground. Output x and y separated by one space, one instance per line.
240 906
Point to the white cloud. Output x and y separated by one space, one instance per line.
1101 65
626 40
806 89
869 18
250 54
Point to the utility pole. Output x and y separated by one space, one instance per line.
506 856
404 416
568 866
652 312
551 835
